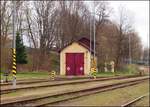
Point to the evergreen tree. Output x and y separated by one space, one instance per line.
21 56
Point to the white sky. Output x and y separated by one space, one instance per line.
139 13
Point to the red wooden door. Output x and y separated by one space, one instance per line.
74 63
79 62
70 64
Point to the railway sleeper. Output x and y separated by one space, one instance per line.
52 99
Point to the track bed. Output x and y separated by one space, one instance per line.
9 88
37 97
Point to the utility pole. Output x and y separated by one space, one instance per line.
93 67
90 41
130 59
14 68
94 26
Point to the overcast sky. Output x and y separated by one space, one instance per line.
139 13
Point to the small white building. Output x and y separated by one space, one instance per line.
75 58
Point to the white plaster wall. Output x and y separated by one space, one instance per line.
75 48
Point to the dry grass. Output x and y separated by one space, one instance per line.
111 98
24 94
143 102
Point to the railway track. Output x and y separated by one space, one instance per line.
68 95
130 103
58 83
31 81
25 81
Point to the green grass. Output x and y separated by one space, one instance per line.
28 75
40 75
126 70
105 74
118 73
54 59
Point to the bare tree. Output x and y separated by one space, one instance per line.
41 27
124 27
6 12
102 23
146 55
51 25
72 21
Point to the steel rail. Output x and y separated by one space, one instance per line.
134 101
35 101
59 79
93 92
4 91
30 81
27 81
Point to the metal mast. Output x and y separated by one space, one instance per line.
94 25
14 71
130 60
90 42
14 29
92 32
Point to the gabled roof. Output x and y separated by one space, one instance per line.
83 42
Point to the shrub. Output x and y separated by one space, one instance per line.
131 69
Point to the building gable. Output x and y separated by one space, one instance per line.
74 47
84 42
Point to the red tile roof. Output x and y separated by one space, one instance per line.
83 42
